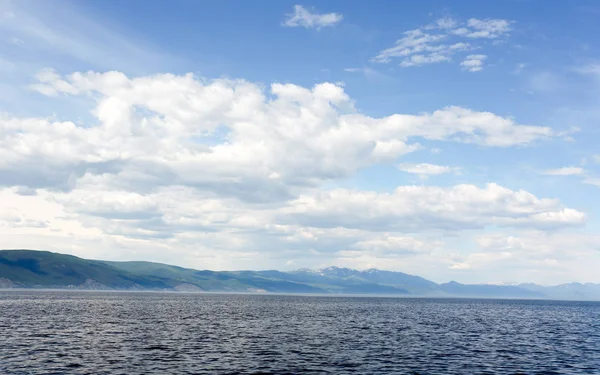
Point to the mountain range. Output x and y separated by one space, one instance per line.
47 270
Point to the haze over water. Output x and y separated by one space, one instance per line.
158 333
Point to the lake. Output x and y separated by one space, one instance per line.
56 332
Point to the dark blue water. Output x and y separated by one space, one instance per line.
153 333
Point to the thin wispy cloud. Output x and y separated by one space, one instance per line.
519 68
302 17
589 69
565 171
592 181
68 33
443 23
544 82
489 28
427 169
441 40
370 73
16 41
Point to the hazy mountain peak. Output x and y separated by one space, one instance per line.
40 269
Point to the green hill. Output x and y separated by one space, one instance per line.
44 269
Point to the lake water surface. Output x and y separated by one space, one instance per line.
167 333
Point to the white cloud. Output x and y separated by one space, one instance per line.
443 23
226 174
418 48
416 60
489 28
554 257
480 260
304 18
395 245
545 257
565 171
473 63
181 222
592 181
229 137
192 228
424 208
438 42
427 169
229 174
414 41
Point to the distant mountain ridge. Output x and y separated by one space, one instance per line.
43 269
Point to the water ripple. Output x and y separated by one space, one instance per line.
153 333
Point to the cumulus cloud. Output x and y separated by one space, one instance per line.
531 251
227 173
229 137
565 171
423 208
304 18
208 231
10 218
182 224
473 63
440 41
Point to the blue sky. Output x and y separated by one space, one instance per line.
455 140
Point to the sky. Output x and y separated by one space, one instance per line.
452 140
